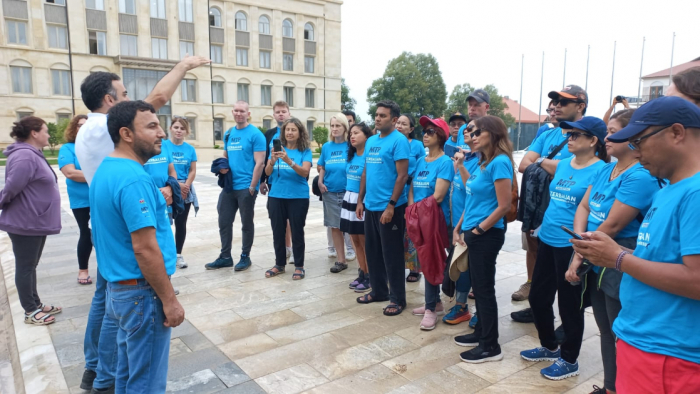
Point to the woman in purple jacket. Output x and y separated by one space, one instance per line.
31 210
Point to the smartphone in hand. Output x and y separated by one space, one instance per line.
276 145
572 233
451 150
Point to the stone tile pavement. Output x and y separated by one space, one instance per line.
247 334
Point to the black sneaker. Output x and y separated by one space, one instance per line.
598 390
88 377
560 335
467 340
338 267
523 316
102 391
480 355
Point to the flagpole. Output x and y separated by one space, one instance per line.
641 64
612 79
563 83
670 72
588 61
520 107
539 116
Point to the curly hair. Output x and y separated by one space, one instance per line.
72 129
22 129
303 141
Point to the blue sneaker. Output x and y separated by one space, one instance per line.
219 263
457 314
243 264
560 370
540 354
472 322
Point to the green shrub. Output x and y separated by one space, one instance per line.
56 133
320 134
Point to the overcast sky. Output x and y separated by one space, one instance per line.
482 42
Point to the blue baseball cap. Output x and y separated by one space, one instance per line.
589 124
663 111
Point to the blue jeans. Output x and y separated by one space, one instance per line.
464 283
100 344
143 340
432 296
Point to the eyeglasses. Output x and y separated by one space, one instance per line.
634 145
565 102
430 131
477 133
549 110
573 135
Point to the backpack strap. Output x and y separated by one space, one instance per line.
557 149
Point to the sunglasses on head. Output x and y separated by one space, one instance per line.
470 127
476 133
565 102
573 135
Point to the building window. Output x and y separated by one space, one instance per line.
95 4
57 2
241 21
97 42
189 90
287 29
310 128
127 7
266 95
264 25
21 79
159 48
218 129
310 98
128 45
243 92
217 54
158 9
61 82
289 95
214 17
656 92
186 48
242 57
140 83
62 117
217 92
16 32
308 32
185 8
267 124
193 127
265 57
309 64
21 115
58 36
288 62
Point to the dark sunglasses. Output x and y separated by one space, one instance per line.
573 135
549 110
565 102
634 144
477 133
430 131
470 128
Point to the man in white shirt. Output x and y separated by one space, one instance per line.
101 91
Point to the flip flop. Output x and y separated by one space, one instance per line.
85 281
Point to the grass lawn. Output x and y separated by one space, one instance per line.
52 158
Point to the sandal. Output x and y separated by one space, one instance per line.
85 281
398 309
367 299
54 310
271 272
413 277
41 321
298 275
338 267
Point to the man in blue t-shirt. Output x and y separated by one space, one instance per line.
136 249
553 123
244 147
660 351
456 121
382 201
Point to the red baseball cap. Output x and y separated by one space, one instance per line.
439 123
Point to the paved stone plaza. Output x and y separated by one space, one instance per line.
244 333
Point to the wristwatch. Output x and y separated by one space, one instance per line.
392 203
540 160
479 230
251 189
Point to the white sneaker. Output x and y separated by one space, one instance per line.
350 255
291 259
332 253
289 252
181 262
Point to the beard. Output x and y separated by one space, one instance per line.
145 150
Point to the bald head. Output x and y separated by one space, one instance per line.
241 114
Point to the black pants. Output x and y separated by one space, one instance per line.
181 228
293 209
27 250
228 206
605 311
548 279
82 216
483 251
385 255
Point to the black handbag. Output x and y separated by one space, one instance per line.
448 286
315 189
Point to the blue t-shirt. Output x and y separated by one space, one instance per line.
669 231
426 178
78 192
334 157
460 139
241 148
481 198
458 196
542 129
548 142
381 155
182 157
123 199
565 193
157 166
354 170
417 150
635 187
289 184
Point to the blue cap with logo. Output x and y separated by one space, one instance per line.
663 111
589 124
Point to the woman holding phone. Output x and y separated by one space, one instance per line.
619 196
572 176
289 165
349 222
406 124
482 229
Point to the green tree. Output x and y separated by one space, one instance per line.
262 130
56 134
346 102
457 102
320 134
414 82
498 106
